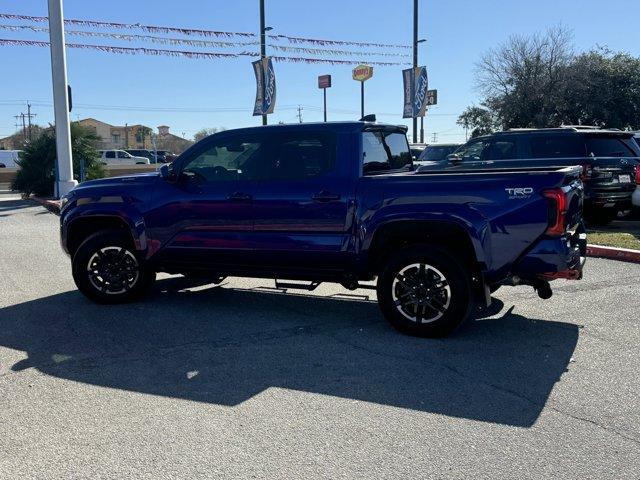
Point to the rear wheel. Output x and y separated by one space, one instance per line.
425 291
107 269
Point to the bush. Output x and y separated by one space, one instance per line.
37 162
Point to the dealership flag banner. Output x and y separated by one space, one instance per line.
265 86
416 84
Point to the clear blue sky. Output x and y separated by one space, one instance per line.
458 32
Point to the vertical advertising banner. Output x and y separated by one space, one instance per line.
416 85
265 86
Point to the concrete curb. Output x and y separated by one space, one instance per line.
52 205
623 254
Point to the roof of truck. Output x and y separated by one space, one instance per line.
348 126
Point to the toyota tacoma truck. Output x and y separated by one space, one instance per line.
330 202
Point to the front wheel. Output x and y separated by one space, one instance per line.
424 291
107 269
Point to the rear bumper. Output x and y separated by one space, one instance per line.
553 258
617 200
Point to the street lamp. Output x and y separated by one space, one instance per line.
422 40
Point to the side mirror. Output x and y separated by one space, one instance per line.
167 173
454 158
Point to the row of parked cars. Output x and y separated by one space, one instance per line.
135 157
9 158
609 159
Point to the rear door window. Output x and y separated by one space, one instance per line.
608 147
299 156
556 146
110 154
384 151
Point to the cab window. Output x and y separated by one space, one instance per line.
384 151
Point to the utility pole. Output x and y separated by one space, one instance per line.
435 137
29 115
263 44
415 60
300 114
64 181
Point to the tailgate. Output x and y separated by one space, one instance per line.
611 175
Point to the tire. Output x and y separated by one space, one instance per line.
454 298
110 252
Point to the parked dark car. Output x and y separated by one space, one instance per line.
165 156
437 153
417 149
328 202
608 159
143 153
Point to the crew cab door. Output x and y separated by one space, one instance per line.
303 203
204 219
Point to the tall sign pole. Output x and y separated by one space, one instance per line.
263 46
361 74
324 82
415 60
65 181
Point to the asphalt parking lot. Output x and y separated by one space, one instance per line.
245 381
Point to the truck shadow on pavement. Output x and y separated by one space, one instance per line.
224 346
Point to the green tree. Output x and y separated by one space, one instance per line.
205 132
37 162
477 119
524 80
604 90
537 81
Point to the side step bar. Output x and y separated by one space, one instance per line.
310 286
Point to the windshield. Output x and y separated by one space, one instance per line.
437 152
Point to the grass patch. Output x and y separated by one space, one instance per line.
614 239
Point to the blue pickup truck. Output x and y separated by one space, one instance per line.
329 202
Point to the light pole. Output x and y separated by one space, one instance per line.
422 40
263 43
64 181
415 61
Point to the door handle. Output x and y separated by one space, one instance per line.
239 197
325 196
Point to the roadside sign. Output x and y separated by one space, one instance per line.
432 97
416 83
324 81
362 73
265 86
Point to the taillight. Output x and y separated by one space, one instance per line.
557 211
638 174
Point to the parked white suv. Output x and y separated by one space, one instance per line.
8 158
120 157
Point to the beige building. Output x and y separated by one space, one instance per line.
119 137
170 142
